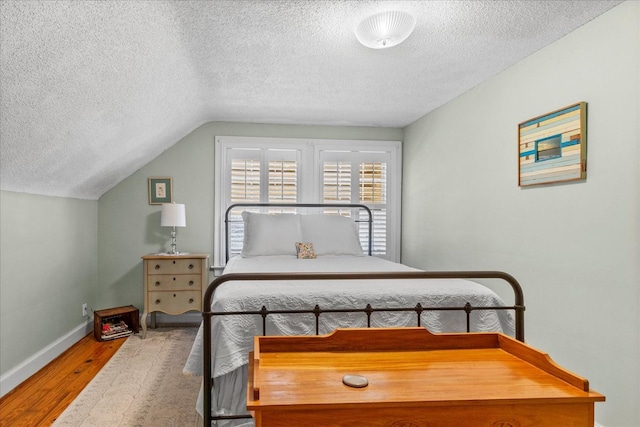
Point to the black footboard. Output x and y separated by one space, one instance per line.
518 308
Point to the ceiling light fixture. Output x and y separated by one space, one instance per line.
385 29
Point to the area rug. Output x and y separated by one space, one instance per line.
142 385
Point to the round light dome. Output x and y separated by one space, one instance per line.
385 29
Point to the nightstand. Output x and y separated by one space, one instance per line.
173 284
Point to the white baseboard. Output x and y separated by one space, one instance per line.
33 364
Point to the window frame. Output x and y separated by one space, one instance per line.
310 177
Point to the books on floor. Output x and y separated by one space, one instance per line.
115 329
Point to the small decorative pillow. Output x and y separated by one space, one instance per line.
305 251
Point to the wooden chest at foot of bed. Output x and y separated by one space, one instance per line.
415 379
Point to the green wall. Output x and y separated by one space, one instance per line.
129 227
575 247
48 269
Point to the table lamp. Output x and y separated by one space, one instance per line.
173 215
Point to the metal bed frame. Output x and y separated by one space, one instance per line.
518 307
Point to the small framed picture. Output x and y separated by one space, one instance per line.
160 190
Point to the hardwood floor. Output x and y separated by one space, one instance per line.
42 398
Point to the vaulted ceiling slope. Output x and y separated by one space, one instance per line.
93 90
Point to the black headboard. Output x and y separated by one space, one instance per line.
368 220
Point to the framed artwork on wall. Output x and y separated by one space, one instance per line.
160 190
553 147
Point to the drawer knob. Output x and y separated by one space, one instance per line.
157 267
157 283
190 266
190 282
158 301
190 300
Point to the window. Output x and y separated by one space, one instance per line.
282 170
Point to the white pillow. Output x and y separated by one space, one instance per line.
331 234
270 234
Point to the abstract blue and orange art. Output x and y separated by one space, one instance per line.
553 147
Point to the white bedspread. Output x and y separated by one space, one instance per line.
233 335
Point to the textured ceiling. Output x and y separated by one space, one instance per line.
93 90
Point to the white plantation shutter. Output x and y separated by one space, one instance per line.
245 181
283 181
379 230
259 176
336 182
359 177
283 170
244 188
372 183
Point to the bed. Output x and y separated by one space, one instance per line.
307 273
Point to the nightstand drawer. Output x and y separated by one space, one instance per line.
178 282
175 302
174 266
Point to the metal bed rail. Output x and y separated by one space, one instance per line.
518 307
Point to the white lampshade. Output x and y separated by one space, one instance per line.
385 29
173 215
